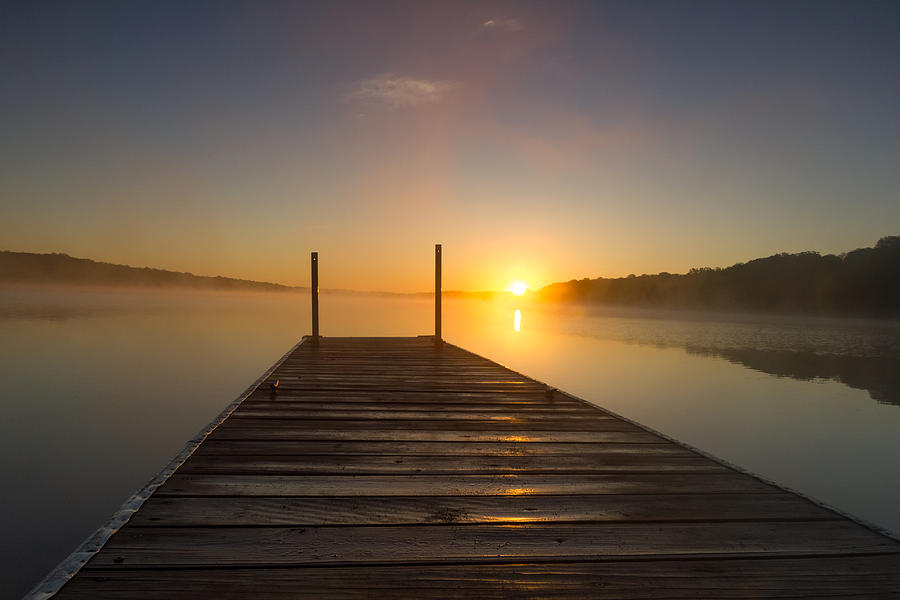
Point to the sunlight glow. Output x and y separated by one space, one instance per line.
517 491
517 320
517 287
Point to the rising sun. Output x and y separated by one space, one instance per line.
517 287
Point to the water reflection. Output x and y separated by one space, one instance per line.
879 376
517 320
861 354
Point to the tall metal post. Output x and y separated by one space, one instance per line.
314 287
437 292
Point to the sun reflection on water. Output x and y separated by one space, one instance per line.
517 320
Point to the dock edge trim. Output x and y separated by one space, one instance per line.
67 569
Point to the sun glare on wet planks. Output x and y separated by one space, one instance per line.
394 467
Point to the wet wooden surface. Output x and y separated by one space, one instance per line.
389 467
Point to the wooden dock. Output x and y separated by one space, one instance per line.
395 467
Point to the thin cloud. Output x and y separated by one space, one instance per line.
397 91
505 25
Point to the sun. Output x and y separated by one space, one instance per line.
517 287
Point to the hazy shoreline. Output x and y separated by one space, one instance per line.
860 283
58 270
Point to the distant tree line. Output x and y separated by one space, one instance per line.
24 267
864 282
57 268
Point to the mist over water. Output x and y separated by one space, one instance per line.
102 387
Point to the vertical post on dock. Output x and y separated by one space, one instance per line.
437 293
314 287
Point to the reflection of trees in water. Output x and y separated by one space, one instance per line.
862 354
879 375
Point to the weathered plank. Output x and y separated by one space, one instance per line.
433 409
447 465
243 546
854 577
418 510
448 416
376 398
393 411
458 485
509 423
213 447
293 434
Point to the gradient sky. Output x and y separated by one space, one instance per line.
540 141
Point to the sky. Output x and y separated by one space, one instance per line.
541 141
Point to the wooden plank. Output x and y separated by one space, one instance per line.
859 577
212 447
441 409
420 510
450 386
377 369
446 465
292 434
509 415
340 378
266 396
458 485
244 546
509 423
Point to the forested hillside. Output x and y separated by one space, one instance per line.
24 267
865 281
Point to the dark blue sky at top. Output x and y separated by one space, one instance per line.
783 93
237 57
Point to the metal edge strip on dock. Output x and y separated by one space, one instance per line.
69 566
739 469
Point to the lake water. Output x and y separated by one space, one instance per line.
100 389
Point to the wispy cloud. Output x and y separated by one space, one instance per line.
396 91
506 25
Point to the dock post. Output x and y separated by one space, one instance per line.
314 287
437 293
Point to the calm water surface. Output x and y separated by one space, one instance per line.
102 388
